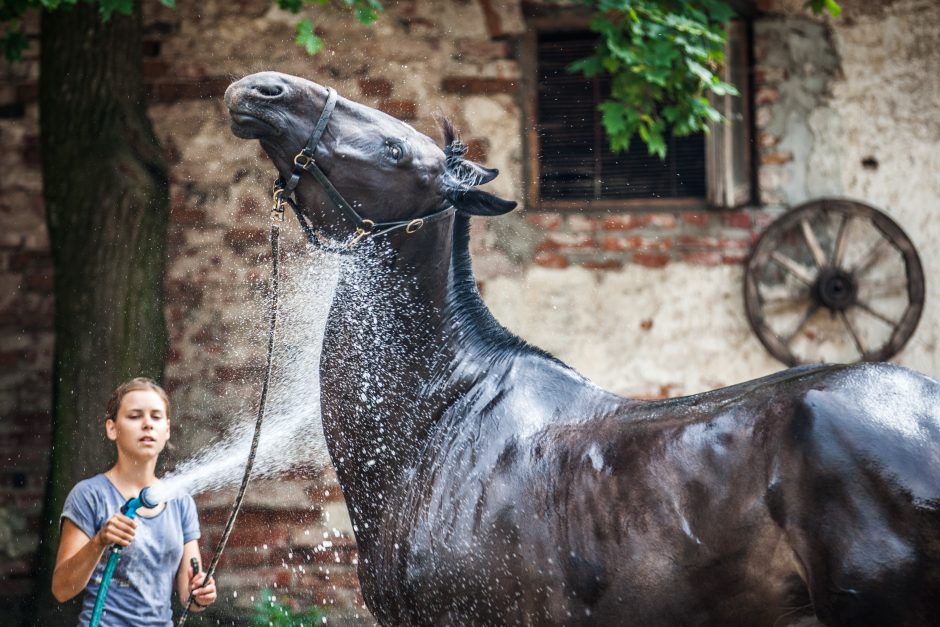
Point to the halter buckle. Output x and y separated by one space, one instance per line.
277 211
303 160
414 225
362 231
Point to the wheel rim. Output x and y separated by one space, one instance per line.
834 281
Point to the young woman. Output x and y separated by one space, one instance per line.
159 543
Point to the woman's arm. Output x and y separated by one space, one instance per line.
78 554
186 581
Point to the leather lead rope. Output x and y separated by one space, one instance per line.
277 218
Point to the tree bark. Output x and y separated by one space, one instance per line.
107 207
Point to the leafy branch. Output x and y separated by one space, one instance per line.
366 12
663 58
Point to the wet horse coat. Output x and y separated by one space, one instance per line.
488 483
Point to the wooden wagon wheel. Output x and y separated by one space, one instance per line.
834 281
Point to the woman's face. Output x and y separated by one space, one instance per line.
142 427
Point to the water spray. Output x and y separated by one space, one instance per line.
277 217
129 509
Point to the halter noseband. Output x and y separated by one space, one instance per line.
304 162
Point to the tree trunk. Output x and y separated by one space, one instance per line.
105 188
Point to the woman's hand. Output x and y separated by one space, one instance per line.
118 530
204 596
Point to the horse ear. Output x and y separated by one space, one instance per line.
480 174
479 203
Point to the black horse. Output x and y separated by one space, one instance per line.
490 484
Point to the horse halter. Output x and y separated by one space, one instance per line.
283 192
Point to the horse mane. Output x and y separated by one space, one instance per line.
463 296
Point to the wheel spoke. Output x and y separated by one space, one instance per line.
814 248
778 295
866 307
870 257
855 338
838 250
792 267
812 309
888 287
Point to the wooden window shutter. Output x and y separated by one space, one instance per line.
729 149
575 162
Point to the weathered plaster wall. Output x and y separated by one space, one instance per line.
830 94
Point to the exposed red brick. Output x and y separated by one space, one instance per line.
401 109
622 222
776 158
249 206
703 258
184 293
23 260
566 241
183 214
478 149
494 25
237 373
11 359
612 244
193 89
605 264
651 260
27 92
241 239
737 219
695 241
766 140
551 260
478 86
375 87
39 281
766 95
155 68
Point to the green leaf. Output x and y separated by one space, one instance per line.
14 42
366 15
818 6
294 6
834 9
307 38
168 3
108 7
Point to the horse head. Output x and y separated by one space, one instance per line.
385 170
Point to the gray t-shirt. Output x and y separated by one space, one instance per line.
142 585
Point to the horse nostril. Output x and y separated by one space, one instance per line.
268 90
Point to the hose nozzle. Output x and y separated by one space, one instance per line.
130 508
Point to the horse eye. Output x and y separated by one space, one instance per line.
394 151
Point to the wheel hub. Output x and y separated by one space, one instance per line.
835 289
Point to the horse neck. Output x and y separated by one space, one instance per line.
387 378
379 349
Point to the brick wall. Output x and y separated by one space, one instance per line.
414 65
26 336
